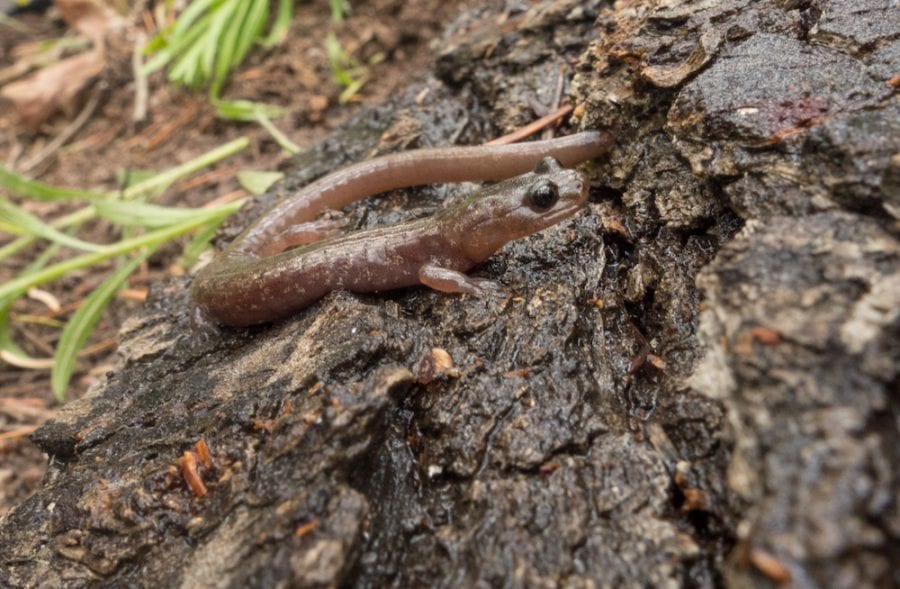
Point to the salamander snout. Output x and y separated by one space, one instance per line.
520 206
548 197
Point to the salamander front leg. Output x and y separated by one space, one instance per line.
446 280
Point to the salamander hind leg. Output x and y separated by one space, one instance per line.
447 280
303 234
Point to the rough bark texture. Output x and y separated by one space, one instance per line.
694 383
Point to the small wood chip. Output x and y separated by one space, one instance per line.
436 364
204 454
656 362
695 499
770 566
134 294
307 528
191 474
766 336
549 468
48 299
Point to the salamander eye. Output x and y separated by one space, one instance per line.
543 195
547 164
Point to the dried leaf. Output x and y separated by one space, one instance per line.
91 18
57 86
54 88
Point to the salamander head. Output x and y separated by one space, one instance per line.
518 207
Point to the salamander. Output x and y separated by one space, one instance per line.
286 260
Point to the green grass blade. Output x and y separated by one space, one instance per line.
78 217
8 21
161 181
254 23
279 137
176 45
187 67
228 47
7 343
126 177
82 323
337 59
160 59
158 41
198 244
282 24
352 89
132 214
245 110
22 283
258 182
12 229
216 28
193 11
339 8
31 225
22 186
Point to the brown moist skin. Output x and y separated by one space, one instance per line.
255 281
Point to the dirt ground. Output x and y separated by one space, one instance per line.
180 125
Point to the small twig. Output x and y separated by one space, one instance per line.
557 98
99 138
208 178
637 362
533 127
459 130
36 320
134 294
19 432
63 310
99 347
641 358
38 343
47 298
15 152
140 79
25 410
168 129
226 198
26 363
191 474
147 18
66 134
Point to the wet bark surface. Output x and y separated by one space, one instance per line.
692 383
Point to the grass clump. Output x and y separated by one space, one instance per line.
209 39
145 227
